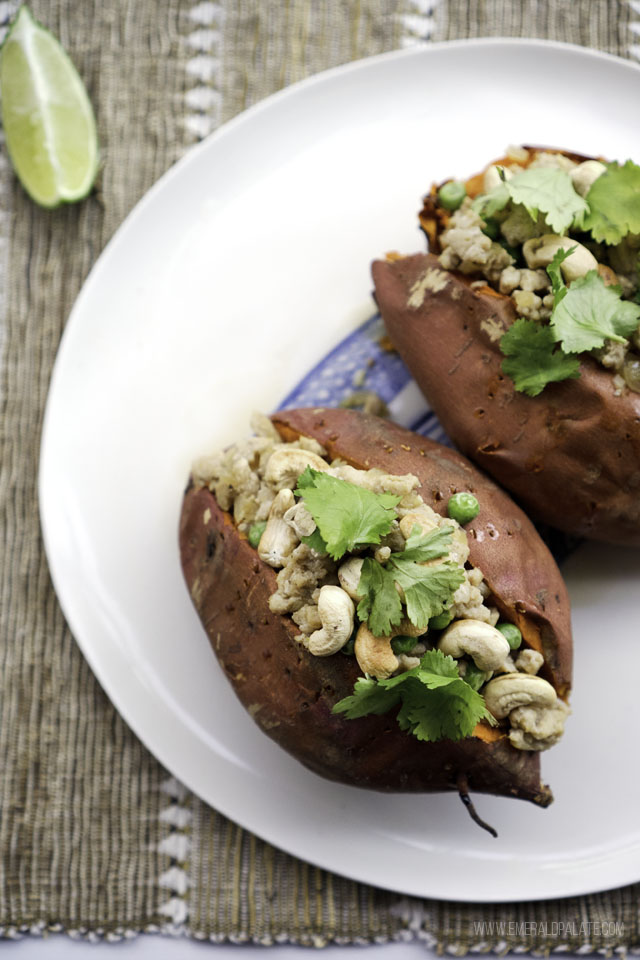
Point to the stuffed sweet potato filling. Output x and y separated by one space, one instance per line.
367 569
560 235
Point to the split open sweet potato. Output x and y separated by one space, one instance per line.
290 693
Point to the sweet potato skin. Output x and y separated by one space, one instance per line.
571 456
290 693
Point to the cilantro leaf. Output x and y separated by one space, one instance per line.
369 696
347 516
427 546
614 203
590 313
435 703
427 590
549 191
447 713
380 606
539 190
532 358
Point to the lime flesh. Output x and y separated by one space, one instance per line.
48 120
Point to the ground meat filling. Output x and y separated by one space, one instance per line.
502 263
255 480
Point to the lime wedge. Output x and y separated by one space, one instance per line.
47 117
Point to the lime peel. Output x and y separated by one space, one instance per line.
48 120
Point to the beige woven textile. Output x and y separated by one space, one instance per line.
95 837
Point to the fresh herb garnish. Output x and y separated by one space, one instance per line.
584 315
533 358
588 312
435 703
543 190
427 589
548 191
614 204
347 516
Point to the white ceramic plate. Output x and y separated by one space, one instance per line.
238 271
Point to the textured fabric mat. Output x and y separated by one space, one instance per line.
95 837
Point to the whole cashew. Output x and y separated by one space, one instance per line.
336 611
278 540
375 655
540 251
486 646
512 690
284 466
537 728
585 175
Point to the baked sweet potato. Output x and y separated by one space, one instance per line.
290 693
571 454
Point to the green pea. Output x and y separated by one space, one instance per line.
452 194
491 228
463 507
403 644
474 676
511 634
255 533
441 621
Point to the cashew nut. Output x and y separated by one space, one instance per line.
278 540
300 520
486 646
540 251
492 177
585 175
375 655
349 576
336 611
512 690
537 728
284 466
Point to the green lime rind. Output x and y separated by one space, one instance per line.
48 120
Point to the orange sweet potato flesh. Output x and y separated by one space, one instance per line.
290 693
570 456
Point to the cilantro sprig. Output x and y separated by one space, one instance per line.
347 516
614 203
435 702
427 590
545 190
584 315
588 312
533 358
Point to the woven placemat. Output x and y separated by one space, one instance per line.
96 838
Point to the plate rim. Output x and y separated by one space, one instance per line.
138 211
